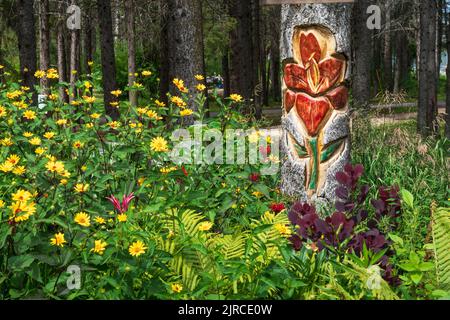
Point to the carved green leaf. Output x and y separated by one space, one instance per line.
331 150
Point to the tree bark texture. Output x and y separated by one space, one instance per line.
447 108
185 45
427 68
27 42
387 52
61 43
362 54
44 33
129 18
108 57
241 49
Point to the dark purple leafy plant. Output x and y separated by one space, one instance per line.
338 230
352 196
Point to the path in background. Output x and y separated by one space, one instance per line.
388 118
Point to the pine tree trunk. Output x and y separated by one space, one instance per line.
74 60
275 53
447 107
89 32
402 65
241 49
185 46
108 57
258 72
129 18
61 50
362 54
226 74
164 83
387 52
427 68
316 136
27 43
44 50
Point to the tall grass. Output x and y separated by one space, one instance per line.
393 154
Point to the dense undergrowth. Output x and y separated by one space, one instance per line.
100 198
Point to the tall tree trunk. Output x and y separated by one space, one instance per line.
74 60
164 83
241 49
61 50
108 57
185 44
26 36
275 65
311 125
129 18
401 52
258 72
447 107
226 73
44 37
362 54
89 34
427 68
387 53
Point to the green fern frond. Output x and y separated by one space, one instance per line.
270 238
441 240
186 222
231 246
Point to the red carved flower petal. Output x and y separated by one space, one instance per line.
309 48
289 100
330 72
338 97
295 77
312 111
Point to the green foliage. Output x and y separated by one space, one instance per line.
441 242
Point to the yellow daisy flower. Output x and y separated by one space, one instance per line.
58 240
82 219
99 247
159 144
137 248
81 188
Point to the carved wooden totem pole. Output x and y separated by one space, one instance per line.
315 48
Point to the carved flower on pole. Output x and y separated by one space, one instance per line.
314 89
313 81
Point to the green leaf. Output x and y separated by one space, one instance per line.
262 228
396 239
263 189
408 266
414 258
407 197
426 266
19 263
5 231
416 277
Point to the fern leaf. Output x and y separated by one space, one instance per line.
441 240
